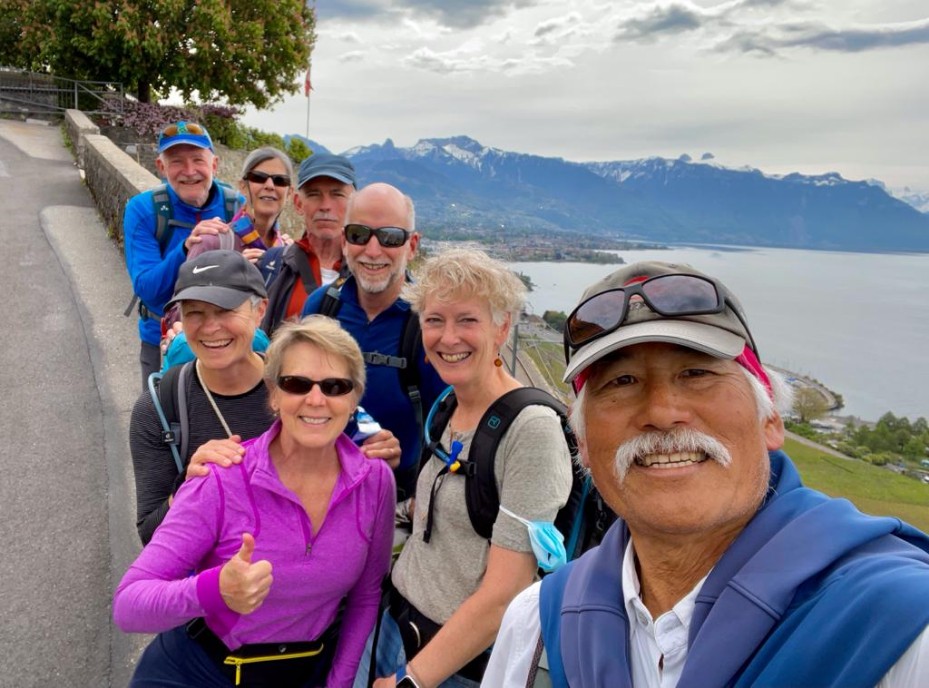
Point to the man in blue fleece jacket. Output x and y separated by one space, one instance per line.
187 163
723 570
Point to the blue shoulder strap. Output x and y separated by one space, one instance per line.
550 596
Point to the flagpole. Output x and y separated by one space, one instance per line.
308 86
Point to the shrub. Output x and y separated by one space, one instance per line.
298 150
146 119
220 122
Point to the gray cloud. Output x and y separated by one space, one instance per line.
820 37
349 9
349 37
654 20
431 61
660 20
458 14
457 62
556 24
352 56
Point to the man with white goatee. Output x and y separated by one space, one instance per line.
378 242
723 569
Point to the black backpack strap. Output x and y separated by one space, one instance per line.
410 346
164 217
163 388
280 277
184 376
298 259
481 489
332 299
164 229
161 201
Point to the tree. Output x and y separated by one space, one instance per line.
555 319
526 280
809 404
11 29
243 51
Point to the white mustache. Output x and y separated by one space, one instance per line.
672 442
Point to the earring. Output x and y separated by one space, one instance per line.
426 358
498 361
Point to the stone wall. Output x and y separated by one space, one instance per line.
78 126
113 178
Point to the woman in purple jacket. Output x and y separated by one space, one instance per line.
287 548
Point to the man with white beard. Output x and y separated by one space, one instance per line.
378 241
723 570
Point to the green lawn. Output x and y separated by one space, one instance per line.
872 489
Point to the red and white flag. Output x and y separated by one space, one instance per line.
307 84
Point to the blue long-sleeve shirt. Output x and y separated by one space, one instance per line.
385 397
153 275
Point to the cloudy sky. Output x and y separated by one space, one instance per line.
782 85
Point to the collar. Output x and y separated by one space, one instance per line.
632 594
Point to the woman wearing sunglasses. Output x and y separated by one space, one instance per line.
287 548
453 585
266 184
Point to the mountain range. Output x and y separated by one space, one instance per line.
457 183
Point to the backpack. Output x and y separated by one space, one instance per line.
280 267
583 520
169 395
404 362
164 229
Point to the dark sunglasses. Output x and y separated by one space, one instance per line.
666 295
330 386
281 180
388 237
184 128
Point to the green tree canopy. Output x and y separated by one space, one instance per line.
555 319
809 404
243 51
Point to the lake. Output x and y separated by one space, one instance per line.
858 323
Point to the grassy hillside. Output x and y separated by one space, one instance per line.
873 490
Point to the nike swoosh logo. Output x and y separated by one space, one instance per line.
197 270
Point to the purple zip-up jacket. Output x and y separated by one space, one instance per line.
348 557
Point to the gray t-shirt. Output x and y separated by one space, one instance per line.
533 473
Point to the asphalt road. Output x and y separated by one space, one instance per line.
68 377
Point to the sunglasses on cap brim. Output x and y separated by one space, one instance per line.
667 295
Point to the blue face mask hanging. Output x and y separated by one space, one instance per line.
546 540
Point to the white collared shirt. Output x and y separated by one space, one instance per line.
658 648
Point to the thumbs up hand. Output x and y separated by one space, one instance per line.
245 585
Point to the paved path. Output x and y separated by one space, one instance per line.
68 377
